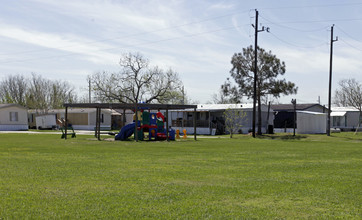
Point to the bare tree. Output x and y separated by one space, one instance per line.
350 94
13 90
136 82
37 95
233 120
36 92
61 92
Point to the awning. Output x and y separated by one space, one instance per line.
338 114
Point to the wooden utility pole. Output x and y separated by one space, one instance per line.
255 68
330 83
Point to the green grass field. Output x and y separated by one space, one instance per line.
273 177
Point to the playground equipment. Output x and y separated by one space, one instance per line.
185 135
177 134
153 124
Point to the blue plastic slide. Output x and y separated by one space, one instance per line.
125 132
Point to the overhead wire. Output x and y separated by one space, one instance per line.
133 35
295 29
205 20
134 45
350 36
296 45
291 28
350 45
318 21
312 6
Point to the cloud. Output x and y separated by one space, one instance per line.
73 45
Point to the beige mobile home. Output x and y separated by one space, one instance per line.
13 117
79 119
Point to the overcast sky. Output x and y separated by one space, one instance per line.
71 39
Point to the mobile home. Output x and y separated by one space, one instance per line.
13 117
210 118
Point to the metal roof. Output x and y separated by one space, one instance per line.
340 114
344 109
312 113
286 107
128 106
223 107
11 105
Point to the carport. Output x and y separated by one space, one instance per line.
137 107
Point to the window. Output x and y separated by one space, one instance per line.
13 116
102 118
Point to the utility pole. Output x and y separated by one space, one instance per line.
183 95
255 67
330 83
90 89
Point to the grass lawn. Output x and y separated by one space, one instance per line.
273 177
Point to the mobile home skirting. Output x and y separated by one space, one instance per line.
13 127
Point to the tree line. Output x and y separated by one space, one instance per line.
137 81
36 92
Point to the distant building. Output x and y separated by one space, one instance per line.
13 117
311 122
210 118
284 113
345 118
80 119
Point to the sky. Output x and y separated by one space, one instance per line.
71 39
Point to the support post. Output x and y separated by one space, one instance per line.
195 114
294 102
66 122
136 123
267 119
96 128
124 118
210 123
167 124
99 124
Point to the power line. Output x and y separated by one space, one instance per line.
296 45
353 38
134 35
292 28
347 34
134 45
317 21
313 6
348 44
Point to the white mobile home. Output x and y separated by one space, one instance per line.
311 122
46 121
345 118
210 118
13 117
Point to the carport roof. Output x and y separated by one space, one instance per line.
128 106
334 114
